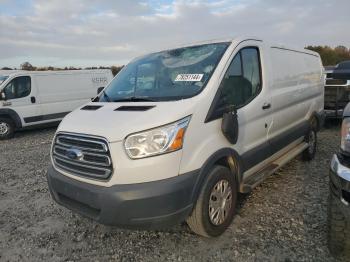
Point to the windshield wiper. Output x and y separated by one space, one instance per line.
106 96
134 99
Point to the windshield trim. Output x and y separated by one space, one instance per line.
172 98
3 79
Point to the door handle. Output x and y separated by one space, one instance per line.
32 99
266 106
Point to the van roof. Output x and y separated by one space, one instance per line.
239 39
58 72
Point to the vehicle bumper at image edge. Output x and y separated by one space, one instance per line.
340 183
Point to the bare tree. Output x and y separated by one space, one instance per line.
27 66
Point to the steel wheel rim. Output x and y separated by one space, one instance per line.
220 202
312 139
4 128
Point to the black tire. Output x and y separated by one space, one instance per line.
338 228
199 221
7 128
311 138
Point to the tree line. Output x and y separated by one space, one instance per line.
331 56
29 67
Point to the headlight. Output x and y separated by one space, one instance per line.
345 135
157 141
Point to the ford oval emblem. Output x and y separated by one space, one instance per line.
74 154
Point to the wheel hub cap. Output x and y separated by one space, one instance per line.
220 202
4 128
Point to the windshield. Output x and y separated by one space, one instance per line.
2 79
344 65
164 76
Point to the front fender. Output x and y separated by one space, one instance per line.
210 162
11 114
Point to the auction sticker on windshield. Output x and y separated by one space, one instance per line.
189 77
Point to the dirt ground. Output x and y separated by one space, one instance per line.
284 219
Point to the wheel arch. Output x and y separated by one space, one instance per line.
10 113
226 157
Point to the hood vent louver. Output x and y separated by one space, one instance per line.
90 108
133 108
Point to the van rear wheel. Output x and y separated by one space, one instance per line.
311 139
7 128
215 207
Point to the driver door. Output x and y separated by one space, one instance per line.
20 95
243 88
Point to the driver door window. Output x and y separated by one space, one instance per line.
242 81
18 88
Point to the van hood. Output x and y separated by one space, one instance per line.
115 121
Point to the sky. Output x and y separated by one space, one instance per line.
85 33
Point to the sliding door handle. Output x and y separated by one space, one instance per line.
266 106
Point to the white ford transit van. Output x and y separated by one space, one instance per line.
31 98
177 134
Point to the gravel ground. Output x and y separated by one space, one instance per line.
284 219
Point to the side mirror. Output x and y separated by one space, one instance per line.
3 96
229 125
99 90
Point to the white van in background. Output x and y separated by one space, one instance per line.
178 133
30 98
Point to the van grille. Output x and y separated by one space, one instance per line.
82 155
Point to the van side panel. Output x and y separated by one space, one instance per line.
313 88
292 82
60 94
296 89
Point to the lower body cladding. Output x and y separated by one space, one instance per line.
151 205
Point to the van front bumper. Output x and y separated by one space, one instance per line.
340 181
151 205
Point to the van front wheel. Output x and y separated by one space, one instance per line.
7 128
215 207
